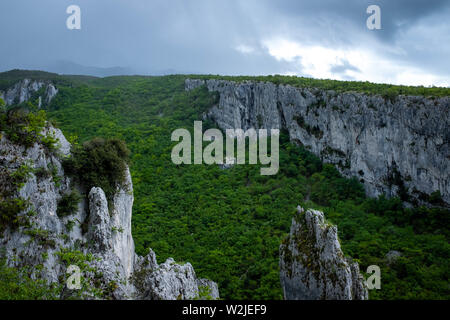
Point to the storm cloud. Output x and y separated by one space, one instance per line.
322 39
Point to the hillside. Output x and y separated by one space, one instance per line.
67 207
229 223
395 146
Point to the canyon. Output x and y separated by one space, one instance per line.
395 147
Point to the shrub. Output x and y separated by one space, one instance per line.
436 198
390 94
10 204
41 236
69 225
50 142
17 285
99 163
89 288
42 173
68 204
21 175
22 126
204 293
9 212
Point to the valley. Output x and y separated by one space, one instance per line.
229 223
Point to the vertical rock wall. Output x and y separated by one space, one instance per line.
387 144
312 265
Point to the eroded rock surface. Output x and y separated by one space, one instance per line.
97 237
389 145
23 91
312 265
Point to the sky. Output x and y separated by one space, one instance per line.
326 39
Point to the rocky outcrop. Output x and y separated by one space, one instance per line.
24 90
392 146
312 265
97 237
168 280
392 257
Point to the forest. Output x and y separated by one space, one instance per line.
229 223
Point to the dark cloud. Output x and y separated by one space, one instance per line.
397 15
342 67
221 37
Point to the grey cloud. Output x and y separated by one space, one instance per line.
397 15
201 36
342 67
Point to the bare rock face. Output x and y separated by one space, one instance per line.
387 144
312 265
97 236
166 281
23 90
39 242
392 257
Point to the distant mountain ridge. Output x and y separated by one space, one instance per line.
71 68
68 68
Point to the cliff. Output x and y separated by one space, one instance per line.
312 265
395 146
96 237
24 90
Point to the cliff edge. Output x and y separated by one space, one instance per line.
312 265
397 146
46 238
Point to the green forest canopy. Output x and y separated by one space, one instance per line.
229 223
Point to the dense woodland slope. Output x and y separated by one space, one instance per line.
229 223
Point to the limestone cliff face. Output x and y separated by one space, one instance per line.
382 142
23 90
95 235
312 265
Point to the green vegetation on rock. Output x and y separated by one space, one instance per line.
68 204
388 91
16 285
229 223
96 163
